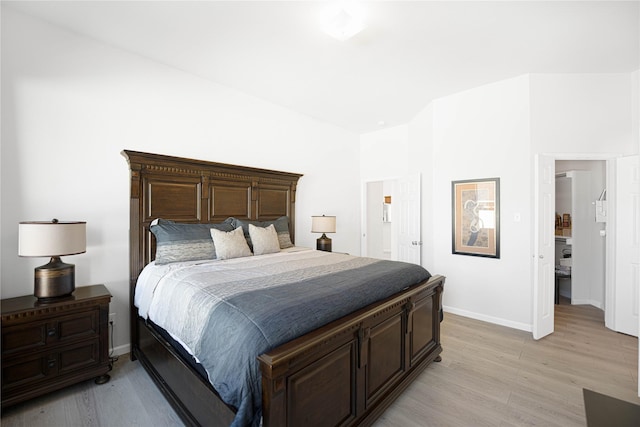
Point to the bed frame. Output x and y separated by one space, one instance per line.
342 374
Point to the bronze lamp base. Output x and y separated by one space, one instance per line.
54 280
323 243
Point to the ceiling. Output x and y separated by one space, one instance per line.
409 54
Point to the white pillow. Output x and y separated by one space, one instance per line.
264 239
230 244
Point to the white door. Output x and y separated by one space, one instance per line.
544 246
409 241
626 298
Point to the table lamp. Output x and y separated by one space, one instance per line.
52 239
323 224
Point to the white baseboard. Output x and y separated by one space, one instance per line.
121 349
489 319
596 304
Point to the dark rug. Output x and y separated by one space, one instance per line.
607 411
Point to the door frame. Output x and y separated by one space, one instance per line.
609 159
395 231
363 211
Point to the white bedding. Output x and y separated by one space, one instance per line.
203 284
152 274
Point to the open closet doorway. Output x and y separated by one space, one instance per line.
546 255
581 232
621 235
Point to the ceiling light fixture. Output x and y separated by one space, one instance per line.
343 21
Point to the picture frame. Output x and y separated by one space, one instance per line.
476 217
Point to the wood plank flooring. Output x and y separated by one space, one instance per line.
489 376
496 376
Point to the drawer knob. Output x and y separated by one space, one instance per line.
51 332
52 363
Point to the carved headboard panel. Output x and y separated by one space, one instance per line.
196 191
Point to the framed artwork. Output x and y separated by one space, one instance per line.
476 217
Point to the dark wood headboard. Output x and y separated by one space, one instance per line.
196 191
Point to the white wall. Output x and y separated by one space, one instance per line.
582 113
481 133
495 131
393 142
70 105
484 133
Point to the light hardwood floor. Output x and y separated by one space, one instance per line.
496 376
489 376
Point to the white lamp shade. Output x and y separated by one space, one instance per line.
47 239
323 224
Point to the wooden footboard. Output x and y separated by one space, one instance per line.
350 371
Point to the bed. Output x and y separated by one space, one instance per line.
344 372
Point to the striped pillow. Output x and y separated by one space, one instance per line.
177 242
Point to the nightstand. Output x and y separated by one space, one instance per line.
47 346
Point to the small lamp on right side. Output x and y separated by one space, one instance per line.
323 224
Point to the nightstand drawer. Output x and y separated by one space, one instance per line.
26 370
78 325
25 337
32 335
83 355
30 369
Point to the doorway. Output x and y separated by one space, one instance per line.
581 231
544 259
379 236
622 249
391 221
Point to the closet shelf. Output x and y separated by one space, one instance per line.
564 239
